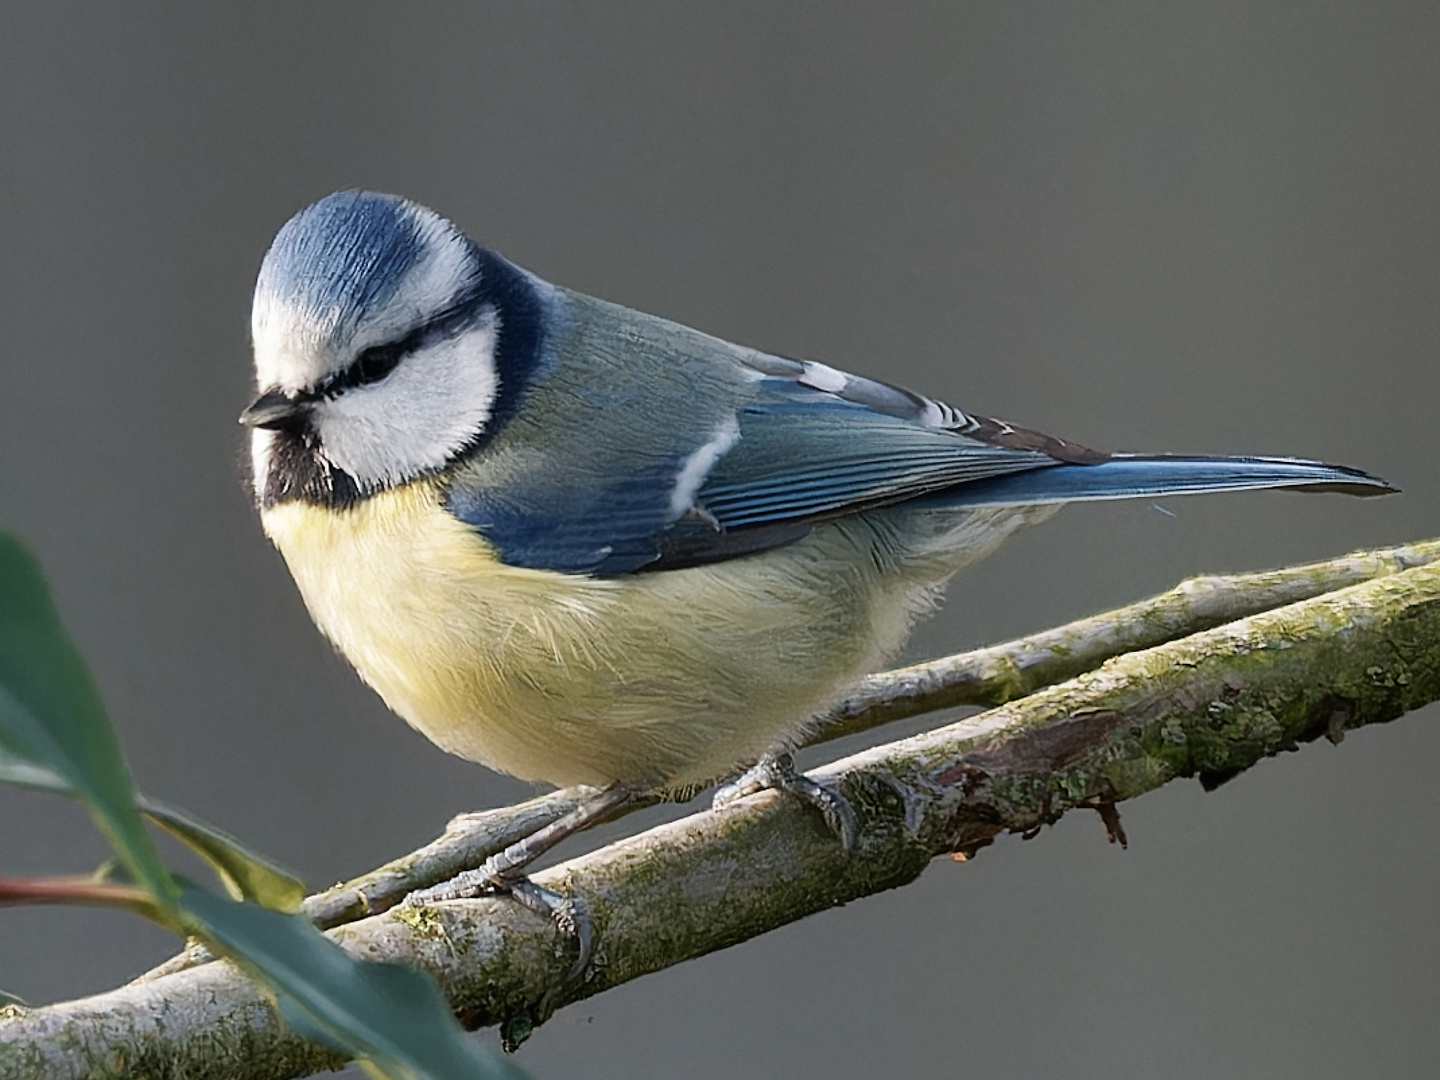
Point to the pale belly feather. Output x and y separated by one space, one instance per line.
660 680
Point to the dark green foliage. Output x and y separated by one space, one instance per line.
55 736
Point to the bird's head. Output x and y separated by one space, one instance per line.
387 345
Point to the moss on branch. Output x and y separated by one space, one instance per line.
1207 705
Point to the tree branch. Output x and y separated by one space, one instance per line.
1012 669
989 676
1209 704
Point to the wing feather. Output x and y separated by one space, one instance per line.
704 451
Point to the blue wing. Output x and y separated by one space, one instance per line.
799 459
744 452
805 454
783 456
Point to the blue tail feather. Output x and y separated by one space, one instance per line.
1133 476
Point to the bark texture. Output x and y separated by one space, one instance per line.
1206 705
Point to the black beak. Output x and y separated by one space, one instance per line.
275 411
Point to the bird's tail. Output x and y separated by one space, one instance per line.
1135 476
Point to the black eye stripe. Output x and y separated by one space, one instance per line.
378 361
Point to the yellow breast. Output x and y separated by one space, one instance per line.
656 680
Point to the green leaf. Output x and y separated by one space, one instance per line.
245 874
27 775
52 721
393 1017
10 999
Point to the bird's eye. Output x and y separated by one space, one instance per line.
374 364
370 366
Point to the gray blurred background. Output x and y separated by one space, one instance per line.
1190 227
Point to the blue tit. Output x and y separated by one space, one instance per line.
584 545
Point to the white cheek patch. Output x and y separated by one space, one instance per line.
698 465
414 420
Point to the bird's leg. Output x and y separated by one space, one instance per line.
505 866
503 872
777 771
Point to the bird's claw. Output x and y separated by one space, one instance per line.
567 913
777 772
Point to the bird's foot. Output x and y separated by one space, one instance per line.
778 772
503 873
567 913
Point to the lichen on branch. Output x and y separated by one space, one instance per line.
1207 704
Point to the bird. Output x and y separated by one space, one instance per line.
584 545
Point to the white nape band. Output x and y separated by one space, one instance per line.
443 269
